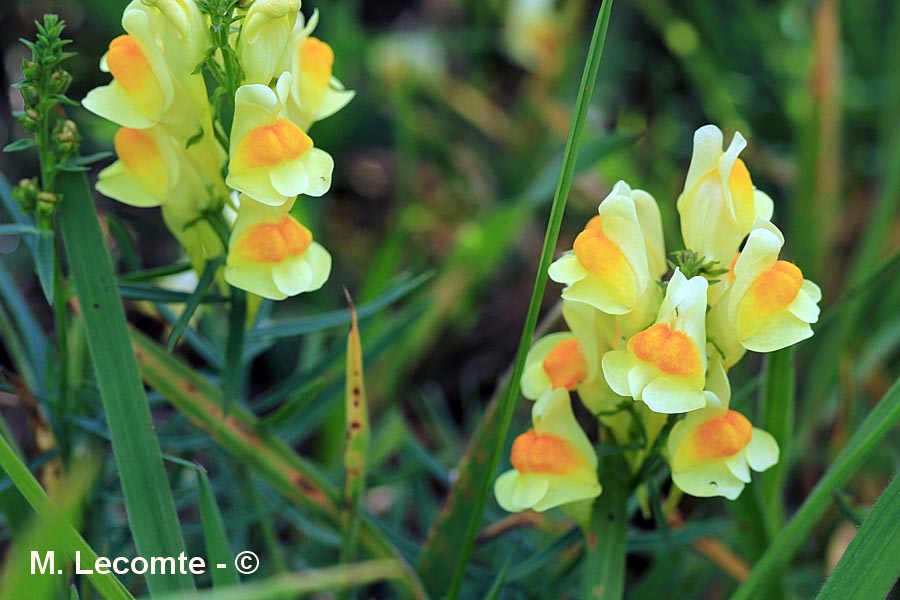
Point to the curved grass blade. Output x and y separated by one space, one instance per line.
869 567
241 434
789 540
107 585
148 499
232 377
446 575
134 290
193 301
296 402
357 414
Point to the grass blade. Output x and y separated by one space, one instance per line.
447 576
869 566
789 540
296 402
148 499
358 434
777 419
233 372
107 585
193 301
214 536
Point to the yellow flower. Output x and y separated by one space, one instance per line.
184 34
315 93
608 267
148 170
712 450
571 360
553 463
272 159
768 305
719 204
272 255
142 90
533 35
664 366
265 34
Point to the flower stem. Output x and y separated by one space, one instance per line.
603 568
507 403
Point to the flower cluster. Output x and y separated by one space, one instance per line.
215 100
650 357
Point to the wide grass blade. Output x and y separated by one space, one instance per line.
778 419
306 582
241 434
870 565
358 434
446 575
148 499
884 416
107 585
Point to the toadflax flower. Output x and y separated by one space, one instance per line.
553 463
719 204
608 266
712 450
142 90
271 254
272 159
148 170
768 305
664 366
315 93
265 34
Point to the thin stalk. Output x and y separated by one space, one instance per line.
564 184
603 568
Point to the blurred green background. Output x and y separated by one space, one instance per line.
445 163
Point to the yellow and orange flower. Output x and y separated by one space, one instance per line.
272 255
608 267
719 204
142 90
664 366
712 450
553 463
768 304
315 93
272 159
148 170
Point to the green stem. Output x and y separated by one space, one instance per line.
603 568
61 324
564 184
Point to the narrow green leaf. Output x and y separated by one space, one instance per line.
19 145
603 568
783 548
148 499
233 370
151 293
309 581
156 273
306 325
107 585
215 537
296 402
358 434
778 419
44 259
446 575
193 301
870 567
18 229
